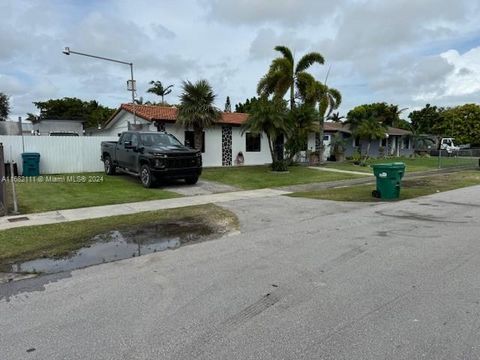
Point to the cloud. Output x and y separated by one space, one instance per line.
162 32
266 39
401 51
284 12
465 80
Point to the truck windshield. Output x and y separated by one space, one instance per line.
159 140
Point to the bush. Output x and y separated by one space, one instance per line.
356 157
280 165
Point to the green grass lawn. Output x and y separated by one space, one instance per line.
258 177
31 242
412 164
410 188
48 195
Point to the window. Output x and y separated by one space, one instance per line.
154 139
384 142
126 137
406 143
356 141
252 142
190 140
134 140
326 138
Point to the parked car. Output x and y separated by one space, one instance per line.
151 156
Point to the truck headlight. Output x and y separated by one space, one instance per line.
159 163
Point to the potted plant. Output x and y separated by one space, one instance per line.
339 146
314 158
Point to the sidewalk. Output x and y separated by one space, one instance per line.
52 217
59 216
340 171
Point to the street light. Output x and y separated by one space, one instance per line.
130 83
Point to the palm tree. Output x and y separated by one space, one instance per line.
328 99
159 90
369 129
269 117
284 75
366 125
196 109
335 117
141 101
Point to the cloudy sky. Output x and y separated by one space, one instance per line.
407 52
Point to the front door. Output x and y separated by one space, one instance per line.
327 139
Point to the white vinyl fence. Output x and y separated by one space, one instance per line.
58 154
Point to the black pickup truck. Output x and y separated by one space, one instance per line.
151 156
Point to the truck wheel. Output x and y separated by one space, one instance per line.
109 167
191 180
146 176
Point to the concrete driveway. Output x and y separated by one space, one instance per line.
305 279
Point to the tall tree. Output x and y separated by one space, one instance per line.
157 88
4 106
228 106
462 123
196 109
284 75
91 112
269 117
246 106
426 120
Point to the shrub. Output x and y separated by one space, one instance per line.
280 165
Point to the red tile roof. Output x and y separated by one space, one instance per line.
169 114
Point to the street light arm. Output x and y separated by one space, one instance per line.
67 51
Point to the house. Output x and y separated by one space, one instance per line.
397 142
58 127
225 142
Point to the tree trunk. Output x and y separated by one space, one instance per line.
198 138
368 150
273 153
292 96
320 134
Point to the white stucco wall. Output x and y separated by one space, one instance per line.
251 158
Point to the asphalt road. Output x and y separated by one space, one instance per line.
305 279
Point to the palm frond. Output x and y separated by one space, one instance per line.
308 60
285 52
336 97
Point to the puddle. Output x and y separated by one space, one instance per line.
117 245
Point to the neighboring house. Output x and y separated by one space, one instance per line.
224 141
398 142
53 127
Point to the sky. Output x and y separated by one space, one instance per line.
405 52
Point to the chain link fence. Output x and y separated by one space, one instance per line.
467 158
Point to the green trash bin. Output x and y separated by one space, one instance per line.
31 164
389 180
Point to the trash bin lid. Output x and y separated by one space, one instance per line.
30 154
395 165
